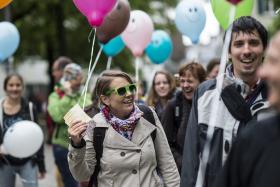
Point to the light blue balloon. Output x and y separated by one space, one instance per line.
9 40
190 19
160 47
113 47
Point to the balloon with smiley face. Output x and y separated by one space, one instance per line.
160 48
138 32
190 19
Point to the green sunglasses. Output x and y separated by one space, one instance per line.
122 91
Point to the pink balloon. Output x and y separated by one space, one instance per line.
138 32
95 10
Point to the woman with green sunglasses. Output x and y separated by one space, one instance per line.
130 156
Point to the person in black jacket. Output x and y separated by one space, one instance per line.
13 109
254 158
220 111
176 114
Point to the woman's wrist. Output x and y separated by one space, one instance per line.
78 145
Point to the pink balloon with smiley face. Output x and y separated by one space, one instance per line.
138 32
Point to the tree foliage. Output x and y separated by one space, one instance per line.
55 27
276 21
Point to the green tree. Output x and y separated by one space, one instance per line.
55 27
276 21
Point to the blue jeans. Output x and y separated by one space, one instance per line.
60 157
27 174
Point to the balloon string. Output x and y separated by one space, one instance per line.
277 11
109 62
137 61
90 34
90 62
215 108
92 49
89 76
137 69
232 14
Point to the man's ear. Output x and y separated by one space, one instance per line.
105 100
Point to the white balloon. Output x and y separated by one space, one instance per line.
23 139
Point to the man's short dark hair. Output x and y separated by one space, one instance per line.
62 62
248 24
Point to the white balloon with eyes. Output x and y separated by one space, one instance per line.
190 19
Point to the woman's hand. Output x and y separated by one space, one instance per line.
67 87
75 132
41 175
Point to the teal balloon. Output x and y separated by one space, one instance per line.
113 47
9 40
160 47
190 19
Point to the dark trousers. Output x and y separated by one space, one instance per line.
60 156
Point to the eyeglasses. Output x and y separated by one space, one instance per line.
122 91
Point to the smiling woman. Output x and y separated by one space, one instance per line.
13 108
162 90
128 148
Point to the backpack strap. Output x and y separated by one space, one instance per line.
98 138
149 116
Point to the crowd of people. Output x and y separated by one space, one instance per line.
186 132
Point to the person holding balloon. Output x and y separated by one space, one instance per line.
162 90
222 107
132 155
14 108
